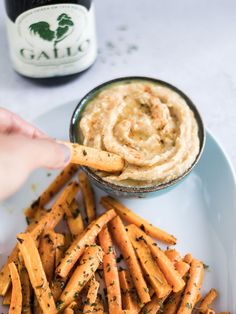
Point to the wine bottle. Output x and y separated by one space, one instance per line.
51 38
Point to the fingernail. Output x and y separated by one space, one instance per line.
67 153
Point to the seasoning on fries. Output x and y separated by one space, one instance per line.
16 298
61 268
111 276
129 294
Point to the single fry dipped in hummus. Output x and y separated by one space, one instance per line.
95 158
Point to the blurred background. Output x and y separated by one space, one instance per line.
188 43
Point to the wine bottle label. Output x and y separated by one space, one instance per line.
53 40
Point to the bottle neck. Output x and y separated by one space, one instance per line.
16 7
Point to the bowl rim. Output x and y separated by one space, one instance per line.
137 189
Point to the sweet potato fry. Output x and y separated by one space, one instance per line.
49 221
207 301
111 275
75 220
199 296
47 250
59 241
152 272
64 176
128 292
89 263
121 237
25 285
88 196
129 216
188 258
16 297
94 158
38 214
172 303
91 298
192 289
76 224
58 283
57 286
71 309
78 246
153 306
182 268
5 279
7 298
172 276
173 255
53 217
52 189
36 273
13 257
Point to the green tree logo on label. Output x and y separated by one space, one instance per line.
64 29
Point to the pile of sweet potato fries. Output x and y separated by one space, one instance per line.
79 271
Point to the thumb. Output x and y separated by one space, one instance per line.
47 153
19 155
32 153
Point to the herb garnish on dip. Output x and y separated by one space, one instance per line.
149 125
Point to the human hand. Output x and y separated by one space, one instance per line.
24 148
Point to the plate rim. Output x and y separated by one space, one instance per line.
225 153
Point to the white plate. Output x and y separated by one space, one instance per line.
200 212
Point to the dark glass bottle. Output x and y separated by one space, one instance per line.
51 38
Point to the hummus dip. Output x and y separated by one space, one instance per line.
148 124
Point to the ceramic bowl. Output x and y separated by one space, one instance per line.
133 191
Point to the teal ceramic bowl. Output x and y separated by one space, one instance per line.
133 191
